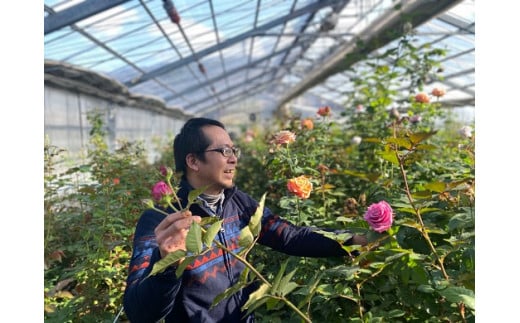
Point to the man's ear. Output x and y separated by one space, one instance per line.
192 162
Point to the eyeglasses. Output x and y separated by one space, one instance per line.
227 151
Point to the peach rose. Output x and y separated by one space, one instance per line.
300 186
438 92
307 124
422 98
284 137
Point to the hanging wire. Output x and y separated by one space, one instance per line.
176 19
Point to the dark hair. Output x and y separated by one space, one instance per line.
191 140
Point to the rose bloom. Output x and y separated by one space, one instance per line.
356 140
379 216
300 186
163 170
360 108
324 111
422 97
160 190
415 118
466 131
307 124
115 181
438 92
284 137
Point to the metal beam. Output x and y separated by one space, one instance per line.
229 42
228 73
379 33
78 12
249 82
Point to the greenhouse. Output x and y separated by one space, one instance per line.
347 132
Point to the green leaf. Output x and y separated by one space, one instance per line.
193 194
212 231
390 156
416 138
437 187
246 237
167 261
461 221
426 289
422 194
256 298
279 275
184 263
255 221
425 147
228 292
396 313
194 239
459 294
286 286
401 142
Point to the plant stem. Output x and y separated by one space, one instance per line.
418 214
262 278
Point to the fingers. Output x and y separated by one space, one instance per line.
172 218
172 231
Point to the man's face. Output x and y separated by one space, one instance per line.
217 171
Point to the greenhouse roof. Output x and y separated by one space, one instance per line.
234 58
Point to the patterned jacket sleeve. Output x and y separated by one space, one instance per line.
303 241
150 299
294 240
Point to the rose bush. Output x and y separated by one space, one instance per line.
421 270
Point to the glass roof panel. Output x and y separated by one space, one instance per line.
226 52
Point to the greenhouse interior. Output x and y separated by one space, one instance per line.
366 102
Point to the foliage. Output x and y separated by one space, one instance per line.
421 270
90 215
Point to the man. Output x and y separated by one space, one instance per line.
205 155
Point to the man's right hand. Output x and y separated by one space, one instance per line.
172 231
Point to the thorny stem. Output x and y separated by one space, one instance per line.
265 281
418 214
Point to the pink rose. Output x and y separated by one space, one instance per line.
161 190
163 170
379 216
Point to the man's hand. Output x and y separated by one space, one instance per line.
172 231
359 240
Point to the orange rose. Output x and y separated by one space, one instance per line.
438 92
422 98
300 186
115 181
324 111
307 124
284 137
